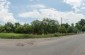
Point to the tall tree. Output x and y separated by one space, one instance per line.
82 22
78 26
51 25
36 26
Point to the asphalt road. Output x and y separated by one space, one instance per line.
74 45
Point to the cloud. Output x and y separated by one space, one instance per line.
31 14
52 13
37 6
33 0
76 4
5 15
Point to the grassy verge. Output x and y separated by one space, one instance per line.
27 36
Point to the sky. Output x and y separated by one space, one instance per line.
25 11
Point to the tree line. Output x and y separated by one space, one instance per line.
46 26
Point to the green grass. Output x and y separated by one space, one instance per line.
27 36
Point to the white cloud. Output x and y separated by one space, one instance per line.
37 6
32 14
76 4
69 17
5 15
33 0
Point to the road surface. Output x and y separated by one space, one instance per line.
70 45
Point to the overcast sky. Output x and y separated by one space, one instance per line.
25 11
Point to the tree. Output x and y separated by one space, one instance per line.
78 26
27 28
36 26
62 29
72 29
17 24
66 25
19 29
82 22
83 28
2 29
45 26
51 25
9 27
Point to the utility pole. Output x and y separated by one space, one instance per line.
61 21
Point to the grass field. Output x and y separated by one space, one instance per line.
27 36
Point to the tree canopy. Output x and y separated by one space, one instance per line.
45 26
